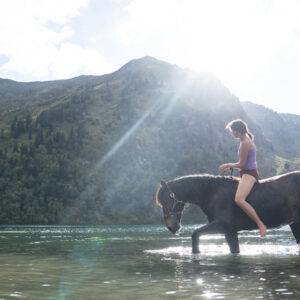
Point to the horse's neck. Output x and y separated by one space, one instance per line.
201 192
191 191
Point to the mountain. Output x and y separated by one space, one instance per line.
92 149
281 129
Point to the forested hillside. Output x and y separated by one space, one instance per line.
92 149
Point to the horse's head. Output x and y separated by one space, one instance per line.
172 207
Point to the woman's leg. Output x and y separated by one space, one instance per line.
245 185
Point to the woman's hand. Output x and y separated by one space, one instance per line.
224 167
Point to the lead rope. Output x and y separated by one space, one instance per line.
231 172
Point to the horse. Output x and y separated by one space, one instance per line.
275 199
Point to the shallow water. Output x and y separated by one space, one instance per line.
144 262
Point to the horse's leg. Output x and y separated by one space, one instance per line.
296 231
213 227
233 241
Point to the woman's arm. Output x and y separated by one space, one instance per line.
242 159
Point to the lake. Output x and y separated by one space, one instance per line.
144 262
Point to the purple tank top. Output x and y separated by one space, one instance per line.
251 159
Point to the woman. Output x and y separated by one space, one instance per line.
248 170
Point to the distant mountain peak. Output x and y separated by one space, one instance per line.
6 80
146 62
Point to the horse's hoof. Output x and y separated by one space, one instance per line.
235 251
195 251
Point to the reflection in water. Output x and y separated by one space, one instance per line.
178 274
144 262
254 273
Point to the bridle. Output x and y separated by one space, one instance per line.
175 202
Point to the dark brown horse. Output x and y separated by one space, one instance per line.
275 199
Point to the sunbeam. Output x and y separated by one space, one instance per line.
160 109
124 138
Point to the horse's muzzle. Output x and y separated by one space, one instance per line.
174 229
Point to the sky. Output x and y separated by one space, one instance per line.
252 46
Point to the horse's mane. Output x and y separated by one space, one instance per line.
206 176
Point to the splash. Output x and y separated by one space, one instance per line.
216 250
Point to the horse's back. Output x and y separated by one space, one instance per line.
272 199
290 176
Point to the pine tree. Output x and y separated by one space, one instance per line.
15 148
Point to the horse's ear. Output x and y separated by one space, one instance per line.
163 183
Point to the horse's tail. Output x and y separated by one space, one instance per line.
293 179
296 175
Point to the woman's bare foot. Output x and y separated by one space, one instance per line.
262 230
